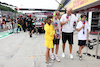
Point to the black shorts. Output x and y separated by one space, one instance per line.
67 36
81 42
30 28
56 41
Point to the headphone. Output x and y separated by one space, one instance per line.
81 18
51 19
54 14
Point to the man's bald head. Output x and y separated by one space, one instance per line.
69 11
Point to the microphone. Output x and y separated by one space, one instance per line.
55 24
83 22
67 16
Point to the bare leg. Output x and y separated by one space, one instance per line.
63 46
70 48
47 54
57 47
32 31
52 50
80 48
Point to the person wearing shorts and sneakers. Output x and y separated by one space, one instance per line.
83 34
56 23
8 24
67 20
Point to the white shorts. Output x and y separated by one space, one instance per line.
8 24
4 25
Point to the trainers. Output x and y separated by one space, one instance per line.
51 61
30 35
57 59
71 56
52 56
48 64
63 55
80 57
77 52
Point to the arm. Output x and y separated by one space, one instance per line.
26 24
87 35
80 28
62 23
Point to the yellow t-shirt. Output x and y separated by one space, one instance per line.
49 35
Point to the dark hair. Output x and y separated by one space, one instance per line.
48 17
83 15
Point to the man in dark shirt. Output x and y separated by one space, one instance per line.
29 24
24 23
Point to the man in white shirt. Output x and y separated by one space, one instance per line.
67 20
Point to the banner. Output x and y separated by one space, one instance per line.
75 4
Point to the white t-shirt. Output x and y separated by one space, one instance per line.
82 36
57 32
68 27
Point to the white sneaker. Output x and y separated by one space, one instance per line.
63 55
57 59
71 56
52 56
48 64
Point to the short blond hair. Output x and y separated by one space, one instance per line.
57 13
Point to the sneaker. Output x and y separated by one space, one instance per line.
30 35
80 57
77 52
71 56
51 61
52 56
48 64
63 55
57 59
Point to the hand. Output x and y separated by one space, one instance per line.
55 36
83 25
55 28
67 21
60 36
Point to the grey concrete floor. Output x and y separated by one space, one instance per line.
18 50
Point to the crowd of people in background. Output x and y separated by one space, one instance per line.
20 23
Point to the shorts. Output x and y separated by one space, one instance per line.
81 42
4 25
56 41
30 28
8 24
67 36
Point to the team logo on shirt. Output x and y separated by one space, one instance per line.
56 24
57 30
